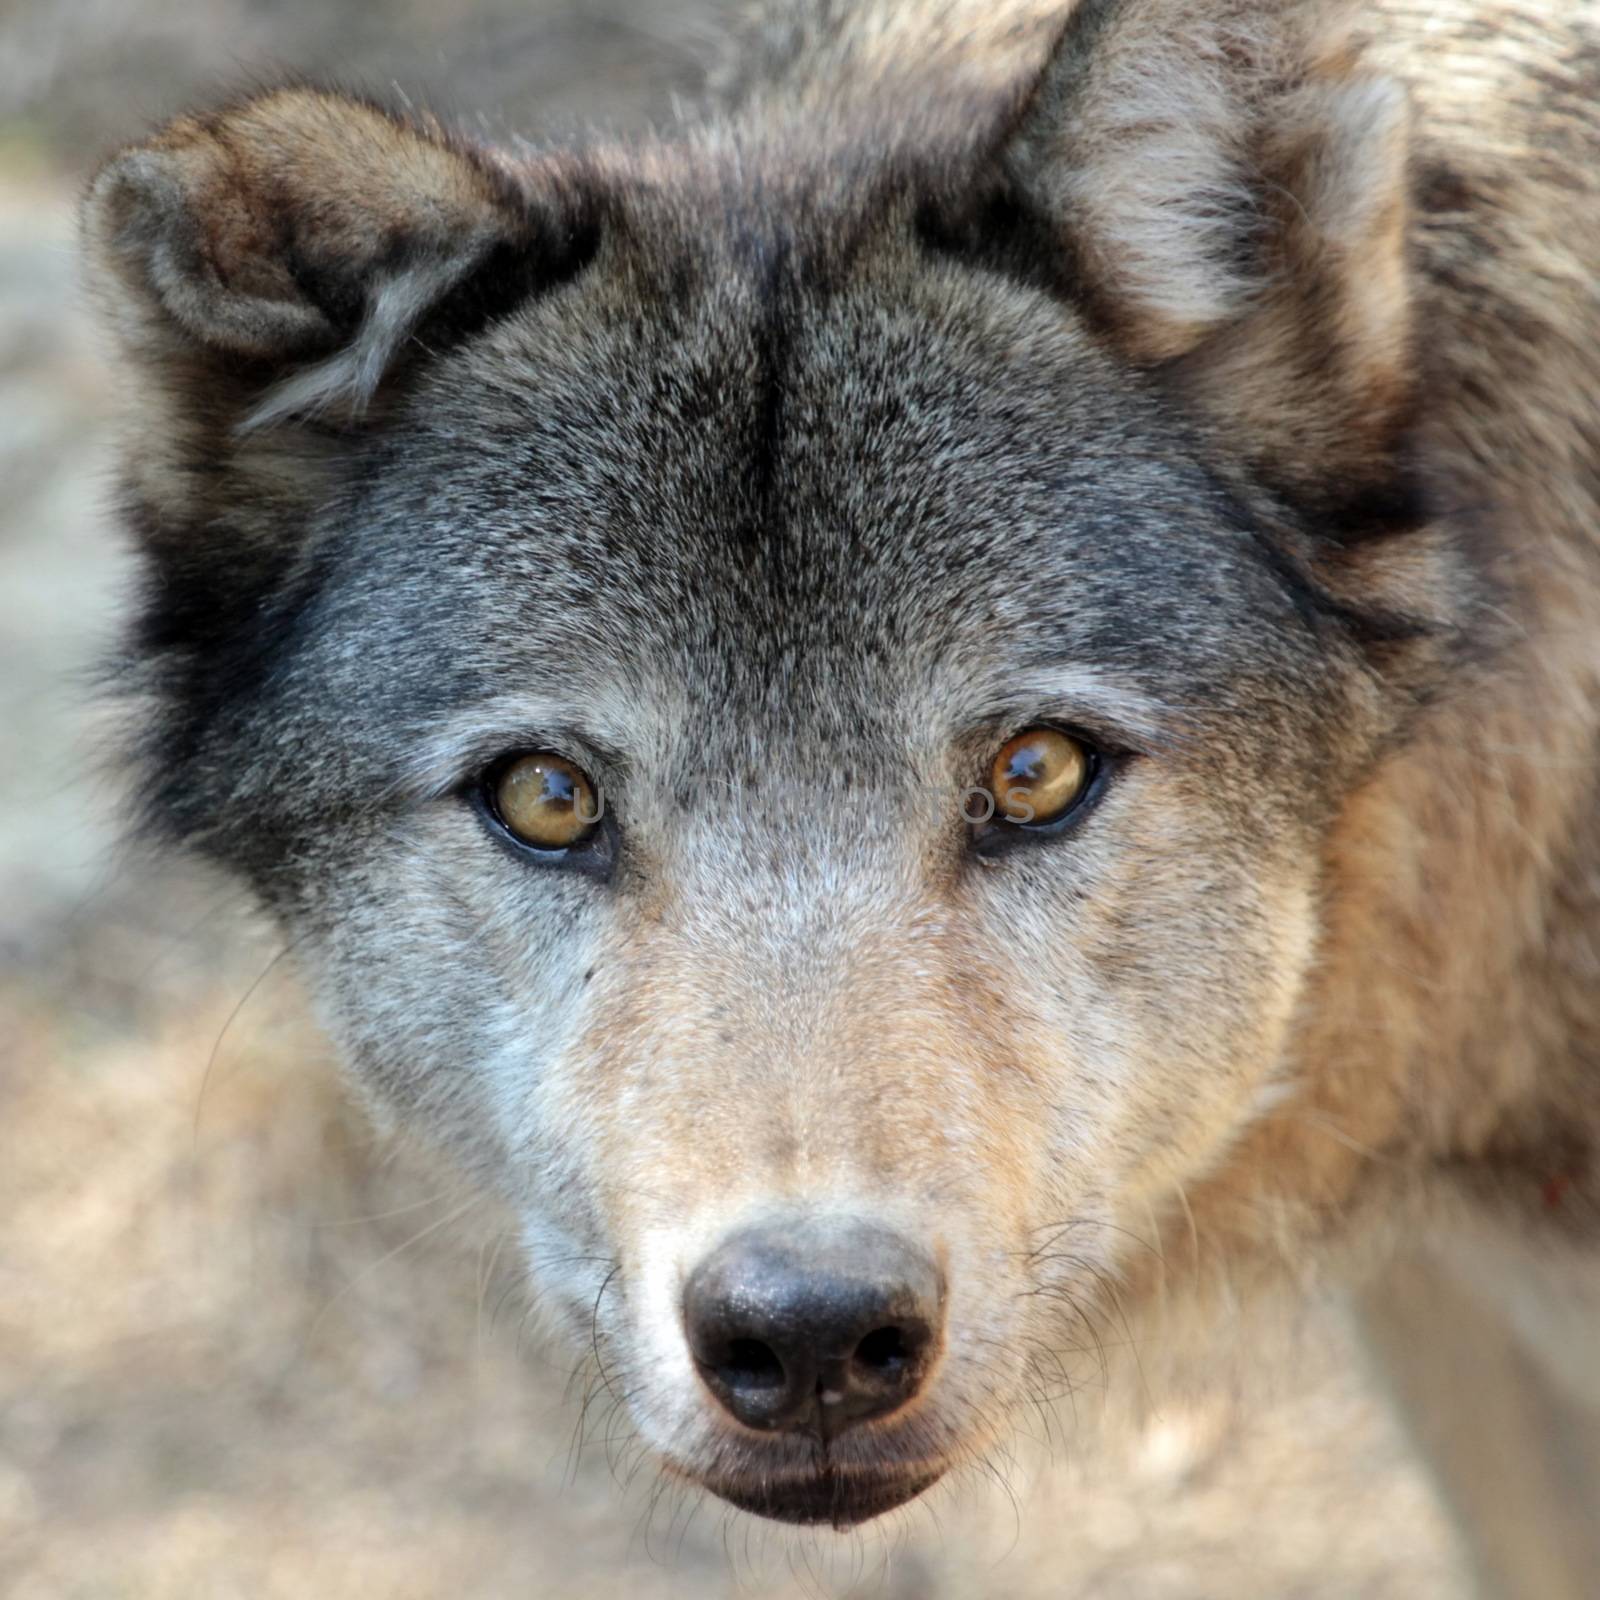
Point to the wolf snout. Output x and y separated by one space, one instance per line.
814 1326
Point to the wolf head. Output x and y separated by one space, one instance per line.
595 599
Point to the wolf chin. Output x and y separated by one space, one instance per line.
1182 415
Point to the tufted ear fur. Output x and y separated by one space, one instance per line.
285 249
1228 185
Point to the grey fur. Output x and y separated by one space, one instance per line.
818 452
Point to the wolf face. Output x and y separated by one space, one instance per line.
767 488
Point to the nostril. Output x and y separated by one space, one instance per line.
884 1352
750 1364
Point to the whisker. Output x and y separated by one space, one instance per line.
233 1016
353 1283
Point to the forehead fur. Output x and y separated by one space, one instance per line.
779 504
709 444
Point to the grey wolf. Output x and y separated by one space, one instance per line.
585 589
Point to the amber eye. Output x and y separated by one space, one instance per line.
545 801
1039 776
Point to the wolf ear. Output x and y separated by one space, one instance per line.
1228 185
285 249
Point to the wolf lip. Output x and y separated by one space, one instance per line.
842 1500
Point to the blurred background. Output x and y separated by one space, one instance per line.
247 1349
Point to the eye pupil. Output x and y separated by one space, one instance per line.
546 801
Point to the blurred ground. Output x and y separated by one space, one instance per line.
243 1350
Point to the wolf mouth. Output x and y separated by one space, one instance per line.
825 1497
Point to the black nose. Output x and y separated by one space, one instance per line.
814 1326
